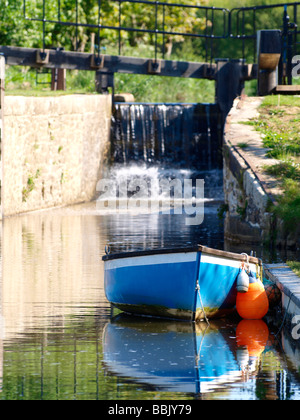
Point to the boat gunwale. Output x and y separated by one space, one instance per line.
199 248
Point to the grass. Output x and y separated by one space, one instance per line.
27 82
243 145
285 169
279 125
295 266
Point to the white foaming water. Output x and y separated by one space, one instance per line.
138 188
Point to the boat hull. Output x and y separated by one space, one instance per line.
187 285
166 355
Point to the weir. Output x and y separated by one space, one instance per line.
177 135
151 142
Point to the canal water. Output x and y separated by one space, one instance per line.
61 340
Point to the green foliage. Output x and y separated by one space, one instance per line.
18 31
15 30
288 208
279 125
30 186
285 169
222 210
144 88
165 89
295 266
264 19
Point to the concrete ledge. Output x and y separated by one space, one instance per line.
254 156
248 189
289 284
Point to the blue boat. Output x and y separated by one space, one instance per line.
174 357
188 284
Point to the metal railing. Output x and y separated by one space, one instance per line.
158 25
246 21
213 27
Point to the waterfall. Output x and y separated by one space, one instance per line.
157 145
185 136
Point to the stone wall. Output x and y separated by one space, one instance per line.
248 190
2 85
54 150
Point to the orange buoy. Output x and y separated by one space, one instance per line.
254 334
253 304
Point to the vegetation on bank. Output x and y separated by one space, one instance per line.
279 125
295 266
25 81
15 30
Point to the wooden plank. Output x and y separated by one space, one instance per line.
111 64
230 255
287 89
70 60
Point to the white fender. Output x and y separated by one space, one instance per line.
242 283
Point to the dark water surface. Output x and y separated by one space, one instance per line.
60 339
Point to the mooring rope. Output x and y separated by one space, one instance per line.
202 307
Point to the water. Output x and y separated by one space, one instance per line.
181 135
60 338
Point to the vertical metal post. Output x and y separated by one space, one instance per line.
268 57
164 41
44 25
283 60
212 35
254 38
243 35
296 30
99 27
205 34
2 87
76 36
228 83
120 16
156 11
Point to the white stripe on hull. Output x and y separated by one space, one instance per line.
151 260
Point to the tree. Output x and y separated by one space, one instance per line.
135 18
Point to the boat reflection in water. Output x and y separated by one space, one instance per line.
179 356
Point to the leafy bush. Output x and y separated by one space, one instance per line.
288 208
